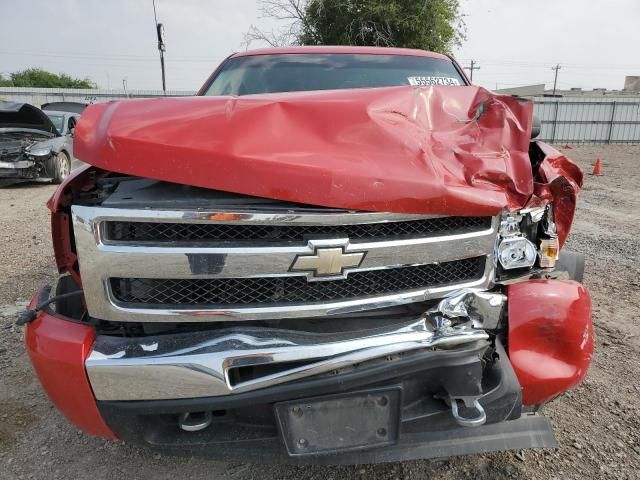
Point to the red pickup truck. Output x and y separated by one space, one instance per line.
329 255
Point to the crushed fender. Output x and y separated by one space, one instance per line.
557 180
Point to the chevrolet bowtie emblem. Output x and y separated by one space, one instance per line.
327 263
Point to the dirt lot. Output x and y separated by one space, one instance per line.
597 425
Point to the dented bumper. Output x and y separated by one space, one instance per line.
408 418
432 373
550 337
225 362
58 347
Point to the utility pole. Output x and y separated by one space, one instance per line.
555 80
471 69
161 47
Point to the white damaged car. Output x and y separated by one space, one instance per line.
35 144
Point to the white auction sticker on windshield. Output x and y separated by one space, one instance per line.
427 81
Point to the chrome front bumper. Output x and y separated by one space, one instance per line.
210 364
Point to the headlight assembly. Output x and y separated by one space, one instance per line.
527 236
516 252
514 249
40 152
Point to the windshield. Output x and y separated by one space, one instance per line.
57 120
300 72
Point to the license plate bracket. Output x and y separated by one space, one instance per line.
338 423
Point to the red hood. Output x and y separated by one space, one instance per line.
439 150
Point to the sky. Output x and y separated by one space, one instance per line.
515 42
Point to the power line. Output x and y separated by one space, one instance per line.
524 63
205 59
114 58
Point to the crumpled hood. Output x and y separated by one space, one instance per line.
438 150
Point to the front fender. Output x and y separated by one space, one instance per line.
53 144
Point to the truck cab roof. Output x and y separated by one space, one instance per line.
328 49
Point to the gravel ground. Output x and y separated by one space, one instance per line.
597 425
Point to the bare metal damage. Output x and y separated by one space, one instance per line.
202 365
485 309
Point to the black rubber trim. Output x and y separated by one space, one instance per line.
528 431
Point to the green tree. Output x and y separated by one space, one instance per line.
36 77
435 25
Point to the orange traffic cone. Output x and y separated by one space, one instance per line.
567 146
597 168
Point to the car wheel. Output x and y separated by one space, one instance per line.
60 167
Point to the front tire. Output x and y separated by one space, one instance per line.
60 167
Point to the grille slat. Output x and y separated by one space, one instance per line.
291 290
126 231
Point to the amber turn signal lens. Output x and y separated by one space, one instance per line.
549 249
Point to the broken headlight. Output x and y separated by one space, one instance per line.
514 249
527 236
548 239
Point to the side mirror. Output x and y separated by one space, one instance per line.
71 131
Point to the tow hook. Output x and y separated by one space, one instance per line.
195 421
471 403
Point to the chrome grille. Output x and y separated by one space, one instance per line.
167 232
283 290
153 265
